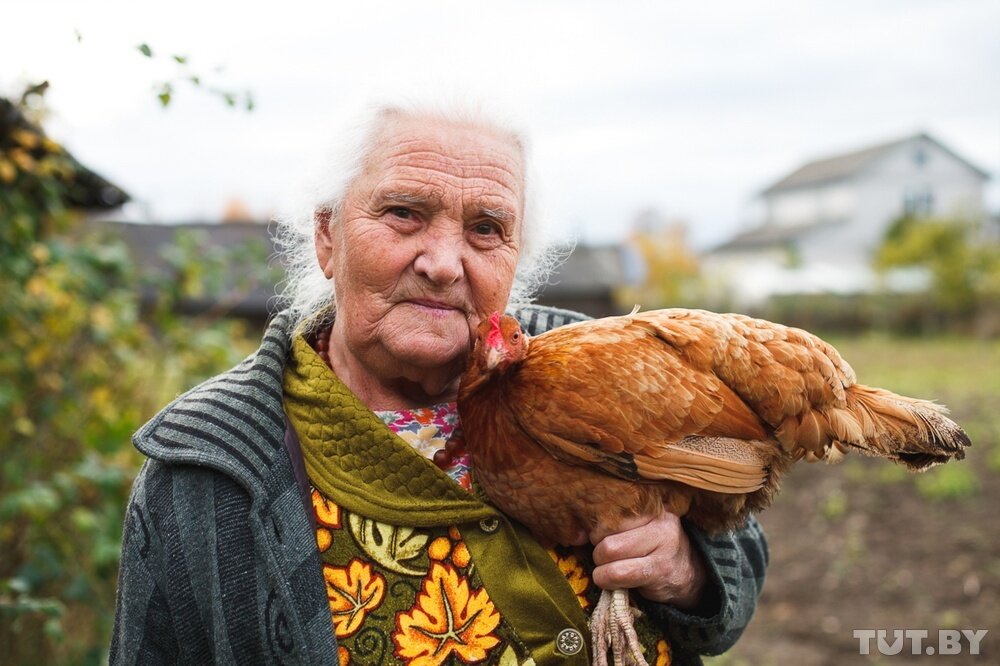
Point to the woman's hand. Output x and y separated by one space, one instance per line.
652 555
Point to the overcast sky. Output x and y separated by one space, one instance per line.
691 108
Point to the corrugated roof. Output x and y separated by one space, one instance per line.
841 166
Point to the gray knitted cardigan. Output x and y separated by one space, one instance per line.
219 559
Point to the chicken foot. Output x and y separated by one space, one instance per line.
612 622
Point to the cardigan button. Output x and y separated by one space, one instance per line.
569 642
489 525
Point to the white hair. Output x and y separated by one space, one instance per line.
309 294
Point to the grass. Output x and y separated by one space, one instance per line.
960 373
959 369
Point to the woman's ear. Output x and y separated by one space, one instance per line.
324 240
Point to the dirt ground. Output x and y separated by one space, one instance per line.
857 546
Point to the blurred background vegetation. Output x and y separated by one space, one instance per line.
85 360
94 344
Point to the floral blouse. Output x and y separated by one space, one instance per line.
427 430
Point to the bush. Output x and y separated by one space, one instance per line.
83 366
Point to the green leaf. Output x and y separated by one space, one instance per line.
181 59
165 93
145 50
230 99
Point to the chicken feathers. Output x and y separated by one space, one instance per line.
692 411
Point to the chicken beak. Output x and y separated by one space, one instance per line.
493 357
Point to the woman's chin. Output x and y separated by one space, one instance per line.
434 350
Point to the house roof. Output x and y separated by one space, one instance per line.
148 243
766 236
837 167
84 188
589 269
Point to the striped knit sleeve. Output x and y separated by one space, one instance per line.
736 563
536 319
179 521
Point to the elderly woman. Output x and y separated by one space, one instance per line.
312 505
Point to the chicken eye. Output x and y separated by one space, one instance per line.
515 337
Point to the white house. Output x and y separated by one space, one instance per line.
824 220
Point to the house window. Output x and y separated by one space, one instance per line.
918 201
920 157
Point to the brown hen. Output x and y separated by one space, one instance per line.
685 411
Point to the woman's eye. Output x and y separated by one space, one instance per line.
401 212
485 229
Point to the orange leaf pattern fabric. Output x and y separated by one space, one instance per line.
448 618
439 613
662 653
353 591
327 513
576 575
368 602
324 538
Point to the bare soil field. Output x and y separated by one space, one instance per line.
865 545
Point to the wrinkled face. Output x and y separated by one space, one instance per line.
427 242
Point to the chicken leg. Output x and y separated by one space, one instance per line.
611 626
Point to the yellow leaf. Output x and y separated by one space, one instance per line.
37 356
7 171
26 138
36 287
24 426
40 253
51 146
25 161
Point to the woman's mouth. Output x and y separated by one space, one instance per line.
437 308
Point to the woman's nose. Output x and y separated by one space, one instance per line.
440 258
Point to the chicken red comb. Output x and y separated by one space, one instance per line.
495 337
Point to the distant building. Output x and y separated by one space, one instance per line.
587 281
249 292
824 220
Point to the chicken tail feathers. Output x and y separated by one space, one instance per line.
915 433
